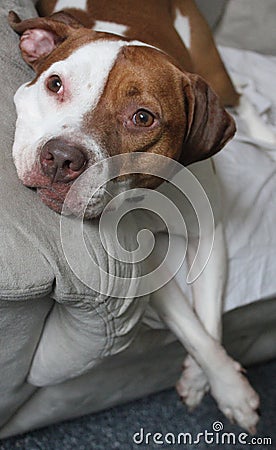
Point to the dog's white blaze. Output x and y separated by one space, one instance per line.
62 4
110 27
182 26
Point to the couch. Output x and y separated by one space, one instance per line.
67 350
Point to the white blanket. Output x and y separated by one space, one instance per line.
247 172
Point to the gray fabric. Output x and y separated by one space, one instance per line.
24 270
32 259
151 364
249 24
20 328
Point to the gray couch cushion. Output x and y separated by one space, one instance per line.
25 271
30 250
33 263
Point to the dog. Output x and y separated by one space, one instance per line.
113 78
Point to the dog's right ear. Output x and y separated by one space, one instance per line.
41 35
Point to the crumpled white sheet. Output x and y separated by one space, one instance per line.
254 75
247 172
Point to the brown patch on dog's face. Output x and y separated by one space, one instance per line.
141 108
187 122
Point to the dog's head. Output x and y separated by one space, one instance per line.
96 95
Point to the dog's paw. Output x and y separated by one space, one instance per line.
235 397
192 384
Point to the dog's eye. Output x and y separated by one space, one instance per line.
143 118
54 83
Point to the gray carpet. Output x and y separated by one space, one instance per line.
163 413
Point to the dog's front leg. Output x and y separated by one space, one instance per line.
233 393
207 293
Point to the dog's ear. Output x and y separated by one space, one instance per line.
41 35
208 126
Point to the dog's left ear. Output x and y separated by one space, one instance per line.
208 126
41 35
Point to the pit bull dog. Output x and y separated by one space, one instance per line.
118 77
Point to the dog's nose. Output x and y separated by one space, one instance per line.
62 161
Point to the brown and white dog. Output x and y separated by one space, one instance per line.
119 77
